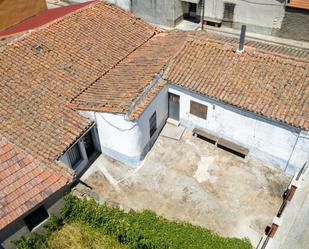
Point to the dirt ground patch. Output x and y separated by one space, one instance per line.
194 181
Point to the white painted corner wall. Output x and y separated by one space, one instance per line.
129 141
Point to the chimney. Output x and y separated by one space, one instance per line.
242 39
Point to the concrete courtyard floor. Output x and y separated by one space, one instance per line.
192 180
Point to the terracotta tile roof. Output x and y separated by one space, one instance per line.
146 100
25 182
268 84
46 68
265 46
41 71
124 85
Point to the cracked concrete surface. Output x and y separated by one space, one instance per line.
194 181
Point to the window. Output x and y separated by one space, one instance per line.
74 155
89 145
36 217
228 13
153 124
198 109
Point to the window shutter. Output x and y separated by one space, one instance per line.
198 109
228 14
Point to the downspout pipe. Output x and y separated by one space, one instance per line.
203 14
242 38
292 152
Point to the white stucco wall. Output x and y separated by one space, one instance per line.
125 4
23 230
266 140
254 13
125 140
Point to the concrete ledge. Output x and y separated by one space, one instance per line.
130 161
268 38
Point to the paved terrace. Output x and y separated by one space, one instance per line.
192 180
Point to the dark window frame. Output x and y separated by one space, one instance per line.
72 155
89 144
153 124
199 110
36 217
228 11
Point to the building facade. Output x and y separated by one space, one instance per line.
260 16
13 12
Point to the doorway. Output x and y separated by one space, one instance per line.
173 106
192 15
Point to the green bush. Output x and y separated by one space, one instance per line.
145 230
39 241
80 236
136 230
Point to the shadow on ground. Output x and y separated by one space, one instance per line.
192 180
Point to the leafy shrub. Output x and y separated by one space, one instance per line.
145 230
78 236
39 241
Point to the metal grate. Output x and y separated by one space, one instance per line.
153 124
74 156
228 14
36 217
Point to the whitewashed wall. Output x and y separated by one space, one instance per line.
125 4
125 140
254 13
266 139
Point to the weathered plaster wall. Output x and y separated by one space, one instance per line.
124 4
266 139
12 12
18 228
259 15
125 140
164 12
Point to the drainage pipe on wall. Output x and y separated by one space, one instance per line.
287 164
203 14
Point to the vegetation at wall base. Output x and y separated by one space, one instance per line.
136 230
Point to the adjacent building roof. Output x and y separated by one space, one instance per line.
25 182
268 84
41 71
302 4
42 18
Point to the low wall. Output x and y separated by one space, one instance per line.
282 222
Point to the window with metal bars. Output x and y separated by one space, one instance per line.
198 109
228 14
153 124
36 217
74 155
